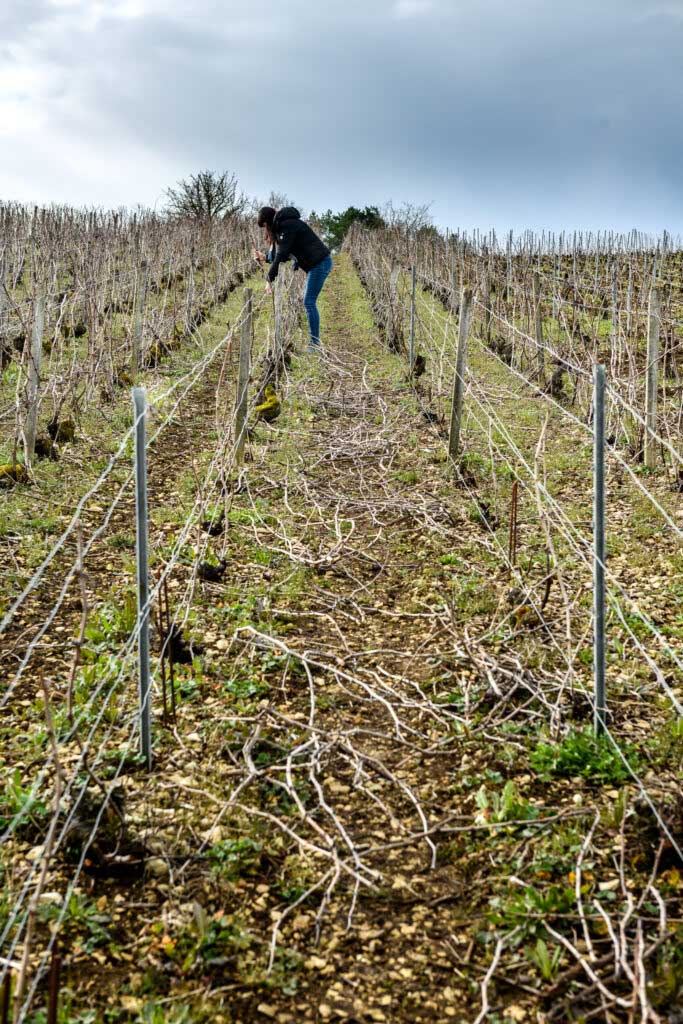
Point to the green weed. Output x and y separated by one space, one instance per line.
243 685
547 962
283 976
407 476
44 523
65 1014
209 941
17 801
235 858
666 745
82 921
582 753
666 985
524 911
112 622
450 560
158 1013
507 805
121 541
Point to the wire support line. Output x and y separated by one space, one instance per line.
123 655
192 375
582 545
613 452
639 782
200 507
74 567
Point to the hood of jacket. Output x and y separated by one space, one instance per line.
286 213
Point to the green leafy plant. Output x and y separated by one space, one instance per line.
666 985
407 476
261 555
235 858
283 976
65 1014
44 523
475 514
112 622
508 805
82 921
103 667
16 800
210 940
158 1013
666 746
525 910
121 541
555 855
547 962
583 753
451 560
613 815
244 685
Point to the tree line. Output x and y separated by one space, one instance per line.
209 195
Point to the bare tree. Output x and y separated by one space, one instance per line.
408 216
206 195
277 200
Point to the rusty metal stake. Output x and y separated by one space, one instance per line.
53 994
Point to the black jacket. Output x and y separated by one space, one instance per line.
295 239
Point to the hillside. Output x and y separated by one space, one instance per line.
380 798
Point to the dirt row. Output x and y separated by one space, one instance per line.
350 820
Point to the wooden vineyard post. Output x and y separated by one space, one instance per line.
615 303
393 326
454 284
629 298
487 307
459 380
144 686
140 300
538 325
243 378
652 376
216 277
190 291
4 328
411 350
33 383
599 550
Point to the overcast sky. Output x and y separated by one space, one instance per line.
503 113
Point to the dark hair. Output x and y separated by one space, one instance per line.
266 215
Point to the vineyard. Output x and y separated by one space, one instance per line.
380 786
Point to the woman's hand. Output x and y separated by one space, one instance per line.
269 288
258 255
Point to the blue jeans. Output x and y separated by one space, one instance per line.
315 279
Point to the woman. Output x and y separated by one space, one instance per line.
291 238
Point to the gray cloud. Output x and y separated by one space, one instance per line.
501 113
